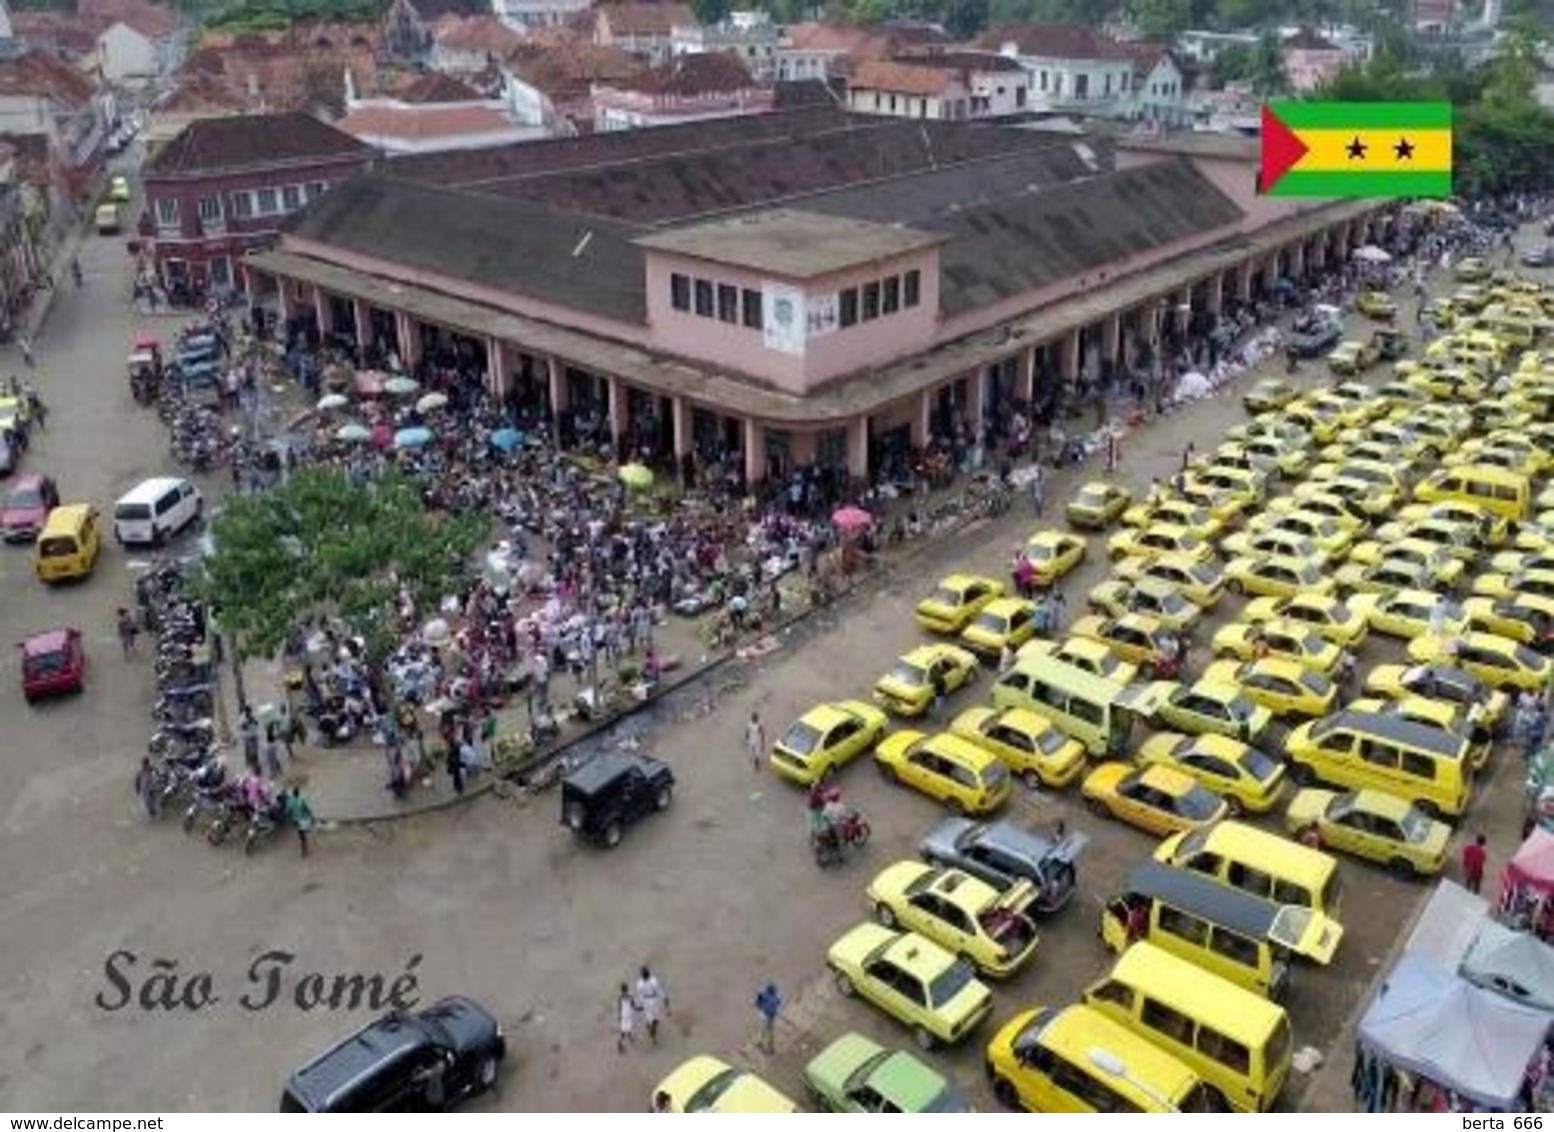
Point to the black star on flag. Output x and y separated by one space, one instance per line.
1356 149
1404 149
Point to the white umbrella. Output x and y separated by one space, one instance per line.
1193 386
435 632
1370 253
332 401
431 401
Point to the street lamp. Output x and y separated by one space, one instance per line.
1113 1066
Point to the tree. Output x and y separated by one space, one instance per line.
321 544
965 19
1268 74
1162 20
711 12
1232 65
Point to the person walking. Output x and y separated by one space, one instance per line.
755 740
768 1005
455 767
128 631
653 1000
272 749
249 730
300 814
25 342
1038 491
145 789
1113 451
625 1020
1474 857
1059 607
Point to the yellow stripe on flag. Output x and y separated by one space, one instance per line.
1328 151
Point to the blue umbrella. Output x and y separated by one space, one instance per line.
506 439
412 437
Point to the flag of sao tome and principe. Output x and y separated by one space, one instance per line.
1356 149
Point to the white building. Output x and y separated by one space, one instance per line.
1159 89
128 57
1205 46
751 36
1072 69
524 14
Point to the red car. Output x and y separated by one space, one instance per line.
26 507
53 663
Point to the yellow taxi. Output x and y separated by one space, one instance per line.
1221 505
1209 707
1385 577
1247 779
1324 532
1336 620
1443 569
1097 505
1053 554
913 980
1273 542
1498 662
1287 458
1485 706
1269 394
1273 576
1457 721
1149 596
1283 686
1528 619
1156 799
1203 582
1157 539
1459 540
1409 613
1514 455
1352 357
1243 484
1473 269
1323 425
705 1084
947 768
1372 825
1289 639
1084 653
1377 305
1004 622
965 916
1183 513
1361 497
1345 412
955 601
909 688
1520 561
1519 584
826 738
1134 637
118 188
1026 742
1317 501
1493 529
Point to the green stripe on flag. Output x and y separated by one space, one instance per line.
1363 115
1360 185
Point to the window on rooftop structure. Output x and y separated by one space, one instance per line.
911 288
754 318
291 197
847 307
704 298
890 298
680 292
871 301
728 303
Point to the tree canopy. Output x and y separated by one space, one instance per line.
322 544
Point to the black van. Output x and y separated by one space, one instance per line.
404 1063
611 791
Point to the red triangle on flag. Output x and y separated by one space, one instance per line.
1281 149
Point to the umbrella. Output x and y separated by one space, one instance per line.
636 476
353 432
1193 386
430 402
412 437
382 434
1370 253
332 401
436 631
401 386
850 520
369 383
506 439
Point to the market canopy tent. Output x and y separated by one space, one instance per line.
1463 1038
1448 925
1516 964
1533 865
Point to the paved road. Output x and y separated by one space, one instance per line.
496 901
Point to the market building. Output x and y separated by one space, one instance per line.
807 287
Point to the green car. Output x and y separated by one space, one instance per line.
852 1074
1208 708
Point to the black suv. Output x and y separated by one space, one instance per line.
607 793
404 1062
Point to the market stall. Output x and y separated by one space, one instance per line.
1527 886
1515 964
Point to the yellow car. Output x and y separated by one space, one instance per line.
1053 554
1332 538
1457 721
1239 483
1272 576
1372 825
1288 459
912 979
705 1084
909 688
1269 394
1352 357
1134 637
960 913
1485 706
1528 619
1365 497
945 767
1221 505
1385 577
1285 687
1523 582
1097 505
1156 799
1519 561
1149 596
1409 613
1004 622
1313 499
1093 656
826 738
1456 539
957 599
1336 620
1492 529
1248 780
1272 542
1157 539
1322 425
1442 568
1377 305
1179 512
1509 457
1209 708
1471 270
1028 744
1289 639
1345 412
1496 661
1203 582
118 188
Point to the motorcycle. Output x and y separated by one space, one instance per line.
848 831
263 825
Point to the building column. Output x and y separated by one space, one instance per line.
976 397
1111 341
755 457
498 371
363 322
556 375
921 412
409 339
858 447
283 301
1244 282
1214 301
1318 254
680 419
1068 363
1298 260
321 311
615 389
1025 379
1271 272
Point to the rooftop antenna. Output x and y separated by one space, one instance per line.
583 243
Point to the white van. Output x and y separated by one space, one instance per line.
155 510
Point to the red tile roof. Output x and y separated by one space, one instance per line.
200 91
150 20
420 123
708 72
434 86
569 70
39 73
880 41
477 33
54 29
245 140
1054 41
645 20
903 78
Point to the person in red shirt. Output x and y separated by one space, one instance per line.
1474 857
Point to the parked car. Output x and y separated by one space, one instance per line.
609 792
853 1074
1005 853
26 507
53 664
430 1059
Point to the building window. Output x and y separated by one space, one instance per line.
890 300
242 205
1108 89
210 211
291 197
911 288
753 316
871 301
316 190
704 298
728 303
1081 87
847 307
680 292
167 212
265 202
